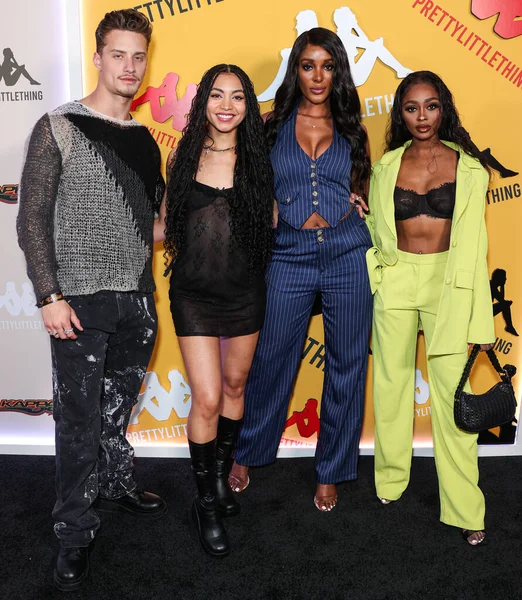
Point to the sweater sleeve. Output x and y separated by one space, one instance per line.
35 222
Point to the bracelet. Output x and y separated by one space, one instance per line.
52 298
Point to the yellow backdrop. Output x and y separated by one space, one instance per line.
385 39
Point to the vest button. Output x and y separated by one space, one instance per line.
315 202
312 165
287 200
454 244
314 193
448 281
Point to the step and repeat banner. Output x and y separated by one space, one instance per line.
474 45
34 78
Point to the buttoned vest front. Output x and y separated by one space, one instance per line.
302 185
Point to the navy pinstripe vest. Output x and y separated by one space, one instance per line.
302 185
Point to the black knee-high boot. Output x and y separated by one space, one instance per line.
226 439
205 515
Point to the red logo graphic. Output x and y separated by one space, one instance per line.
164 101
307 420
508 24
27 407
9 193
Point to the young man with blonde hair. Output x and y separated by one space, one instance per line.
90 188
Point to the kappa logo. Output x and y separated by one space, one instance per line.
9 193
307 420
354 40
422 389
509 21
159 402
501 304
11 71
16 303
497 165
27 407
165 103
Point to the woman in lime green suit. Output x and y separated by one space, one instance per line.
428 272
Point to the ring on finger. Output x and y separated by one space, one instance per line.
56 334
68 331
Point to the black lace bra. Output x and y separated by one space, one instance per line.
437 203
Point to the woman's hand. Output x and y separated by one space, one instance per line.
275 215
159 221
483 347
360 204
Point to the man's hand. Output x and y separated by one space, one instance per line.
59 318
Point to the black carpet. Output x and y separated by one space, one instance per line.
282 546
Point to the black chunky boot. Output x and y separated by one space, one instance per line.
205 515
227 432
72 567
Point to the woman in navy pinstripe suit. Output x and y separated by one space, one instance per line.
319 155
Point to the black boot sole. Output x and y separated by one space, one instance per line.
109 506
66 586
206 547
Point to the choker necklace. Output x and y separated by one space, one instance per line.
207 148
313 117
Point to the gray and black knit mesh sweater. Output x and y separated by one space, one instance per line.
90 188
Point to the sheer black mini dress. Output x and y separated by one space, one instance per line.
212 291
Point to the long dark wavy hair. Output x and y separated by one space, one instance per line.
344 100
450 128
251 201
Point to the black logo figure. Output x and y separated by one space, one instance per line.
500 304
498 166
11 71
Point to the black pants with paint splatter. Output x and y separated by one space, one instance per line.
96 382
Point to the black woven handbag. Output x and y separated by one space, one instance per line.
477 412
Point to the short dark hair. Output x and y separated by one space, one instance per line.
127 19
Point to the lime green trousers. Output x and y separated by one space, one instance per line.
406 301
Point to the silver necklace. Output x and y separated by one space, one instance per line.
207 148
313 117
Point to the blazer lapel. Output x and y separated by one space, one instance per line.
464 185
392 164
465 182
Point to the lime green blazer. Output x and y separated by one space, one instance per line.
465 312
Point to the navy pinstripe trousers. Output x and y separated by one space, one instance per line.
307 261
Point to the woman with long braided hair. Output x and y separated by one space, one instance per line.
218 212
319 154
